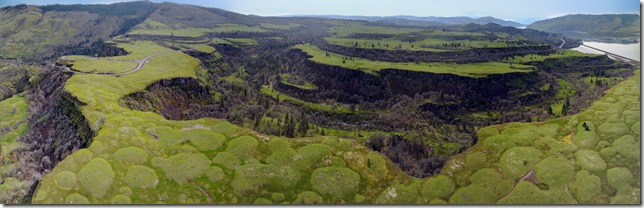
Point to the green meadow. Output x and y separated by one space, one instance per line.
476 70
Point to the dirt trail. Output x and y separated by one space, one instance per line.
530 177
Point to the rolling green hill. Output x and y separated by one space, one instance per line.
593 26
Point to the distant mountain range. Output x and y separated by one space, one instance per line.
608 26
421 21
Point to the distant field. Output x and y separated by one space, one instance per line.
306 86
243 41
476 70
332 108
559 54
151 27
104 66
413 39
237 28
280 27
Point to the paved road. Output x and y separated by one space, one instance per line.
563 42
139 62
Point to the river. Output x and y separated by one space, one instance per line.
630 50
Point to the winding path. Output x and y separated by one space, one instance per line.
563 42
139 62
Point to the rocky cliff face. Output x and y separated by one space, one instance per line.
57 129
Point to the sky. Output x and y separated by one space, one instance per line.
524 11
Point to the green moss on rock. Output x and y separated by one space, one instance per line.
586 186
439 186
377 165
65 180
131 154
278 144
225 128
215 174
399 194
184 166
76 198
310 155
262 201
554 171
205 140
620 178
590 160
141 177
627 146
335 181
96 177
517 161
227 160
308 197
244 147
121 199
586 136
282 157
249 178
613 130
475 160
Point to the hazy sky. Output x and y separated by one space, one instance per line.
518 10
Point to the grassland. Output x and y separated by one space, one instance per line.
306 86
412 39
103 66
151 27
288 26
558 54
13 122
242 41
477 70
331 108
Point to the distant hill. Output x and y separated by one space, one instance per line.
39 32
423 21
608 26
